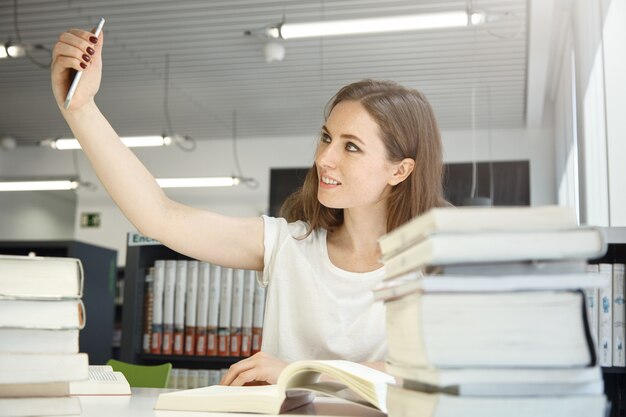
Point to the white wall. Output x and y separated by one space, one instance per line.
215 158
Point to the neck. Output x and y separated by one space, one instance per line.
361 229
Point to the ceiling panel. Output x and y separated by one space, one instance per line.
215 70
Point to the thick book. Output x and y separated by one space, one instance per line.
169 289
477 219
236 315
459 248
25 368
248 310
493 329
189 345
148 306
202 307
403 402
158 287
213 310
39 406
226 302
38 340
415 281
619 331
605 317
102 380
258 317
351 381
180 296
42 314
40 277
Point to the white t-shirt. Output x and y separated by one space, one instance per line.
315 310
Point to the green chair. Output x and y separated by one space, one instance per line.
149 376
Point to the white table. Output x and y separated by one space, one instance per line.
141 404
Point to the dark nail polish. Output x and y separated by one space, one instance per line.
86 58
82 64
90 50
93 39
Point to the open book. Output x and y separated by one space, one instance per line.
351 381
103 380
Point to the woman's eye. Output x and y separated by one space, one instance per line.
325 138
352 147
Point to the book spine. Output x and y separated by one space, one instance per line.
148 307
591 302
180 295
213 310
605 319
258 317
226 296
204 275
236 312
157 307
618 315
190 308
248 310
168 306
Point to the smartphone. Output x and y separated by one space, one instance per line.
72 90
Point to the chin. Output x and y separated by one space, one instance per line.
328 204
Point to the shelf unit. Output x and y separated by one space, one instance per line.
615 377
141 252
100 268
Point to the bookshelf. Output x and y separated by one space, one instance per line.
141 252
615 377
99 265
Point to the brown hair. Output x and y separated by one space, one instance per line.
409 130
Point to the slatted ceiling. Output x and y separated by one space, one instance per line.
215 69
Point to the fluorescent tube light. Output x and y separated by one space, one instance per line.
374 25
131 142
41 185
197 182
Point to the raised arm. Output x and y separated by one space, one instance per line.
228 241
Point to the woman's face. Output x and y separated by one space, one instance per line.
352 167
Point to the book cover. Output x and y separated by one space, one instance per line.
168 307
236 318
148 306
39 406
40 277
42 314
605 319
258 317
27 340
190 308
25 368
204 276
180 295
226 297
215 285
248 312
354 382
477 219
158 289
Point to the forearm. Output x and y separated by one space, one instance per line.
129 183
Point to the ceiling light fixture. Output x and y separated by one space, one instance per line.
63 144
197 182
373 25
39 185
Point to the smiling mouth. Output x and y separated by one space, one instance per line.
329 181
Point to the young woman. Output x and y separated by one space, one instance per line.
377 165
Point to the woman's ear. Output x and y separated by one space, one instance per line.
402 170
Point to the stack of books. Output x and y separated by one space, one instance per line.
486 314
41 313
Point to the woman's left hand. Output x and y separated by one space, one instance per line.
258 369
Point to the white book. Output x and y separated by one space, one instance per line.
215 285
236 312
591 302
168 306
103 380
27 368
183 378
605 319
180 294
618 315
158 286
39 406
226 298
258 317
192 378
248 313
40 277
202 311
191 307
42 314
172 381
215 376
203 377
38 340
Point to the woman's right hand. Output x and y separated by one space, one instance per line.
77 50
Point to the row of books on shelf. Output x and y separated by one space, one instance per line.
184 378
486 316
201 309
605 308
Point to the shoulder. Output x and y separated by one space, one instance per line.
280 227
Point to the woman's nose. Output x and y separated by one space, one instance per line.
326 156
